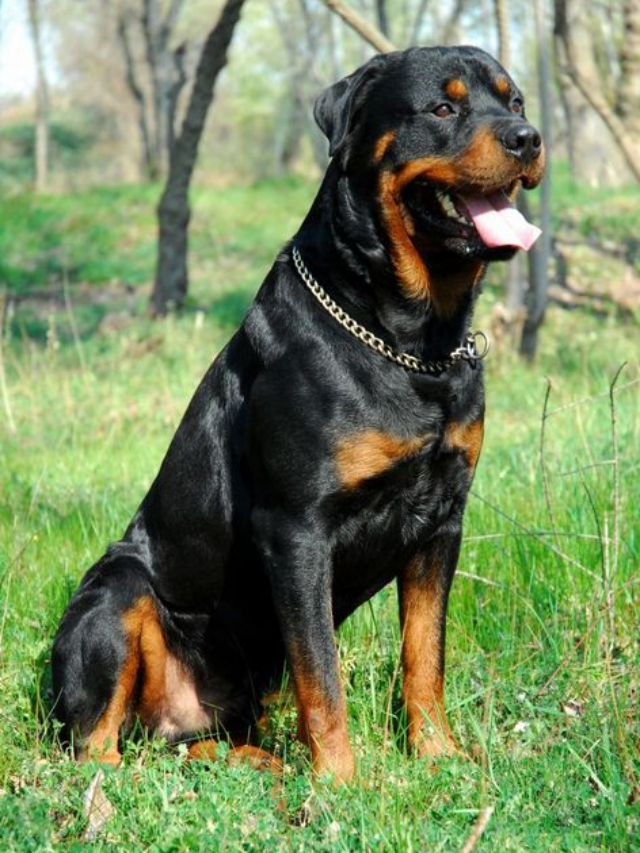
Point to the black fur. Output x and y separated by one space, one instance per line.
248 542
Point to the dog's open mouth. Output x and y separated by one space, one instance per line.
497 221
490 219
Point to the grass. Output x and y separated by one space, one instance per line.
541 694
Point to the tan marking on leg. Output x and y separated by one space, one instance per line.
382 146
204 750
259 759
466 437
324 729
271 701
256 757
102 743
422 615
367 454
168 699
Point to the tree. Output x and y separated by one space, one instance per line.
300 33
504 37
622 116
165 72
527 299
171 278
42 99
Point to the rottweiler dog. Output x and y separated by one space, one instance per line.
330 447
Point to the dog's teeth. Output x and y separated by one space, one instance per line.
448 206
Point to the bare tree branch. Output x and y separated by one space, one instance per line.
170 20
174 93
42 99
368 32
383 18
504 41
171 278
136 91
418 21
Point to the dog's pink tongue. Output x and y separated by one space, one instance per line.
499 223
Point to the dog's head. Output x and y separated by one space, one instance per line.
443 134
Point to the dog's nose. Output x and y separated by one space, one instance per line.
523 141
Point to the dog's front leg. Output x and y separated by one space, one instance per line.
423 591
301 583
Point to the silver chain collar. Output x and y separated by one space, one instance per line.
467 351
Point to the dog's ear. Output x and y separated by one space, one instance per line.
336 108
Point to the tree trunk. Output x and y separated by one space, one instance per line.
628 105
413 36
383 18
504 41
148 163
42 101
580 67
157 101
171 279
515 272
156 61
536 299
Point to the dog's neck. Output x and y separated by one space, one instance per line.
345 247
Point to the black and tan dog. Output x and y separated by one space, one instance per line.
330 447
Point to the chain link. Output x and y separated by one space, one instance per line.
467 351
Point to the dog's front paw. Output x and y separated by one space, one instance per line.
431 743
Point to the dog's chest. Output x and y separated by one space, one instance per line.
400 485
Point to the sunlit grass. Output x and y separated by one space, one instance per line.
540 692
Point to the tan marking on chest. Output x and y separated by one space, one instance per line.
467 438
371 452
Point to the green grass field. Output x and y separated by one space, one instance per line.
542 640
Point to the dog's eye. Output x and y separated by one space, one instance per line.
517 105
443 110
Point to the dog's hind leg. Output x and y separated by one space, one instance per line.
244 753
98 653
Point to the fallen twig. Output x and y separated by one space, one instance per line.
478 828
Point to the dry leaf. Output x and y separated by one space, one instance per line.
97 808
572 708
